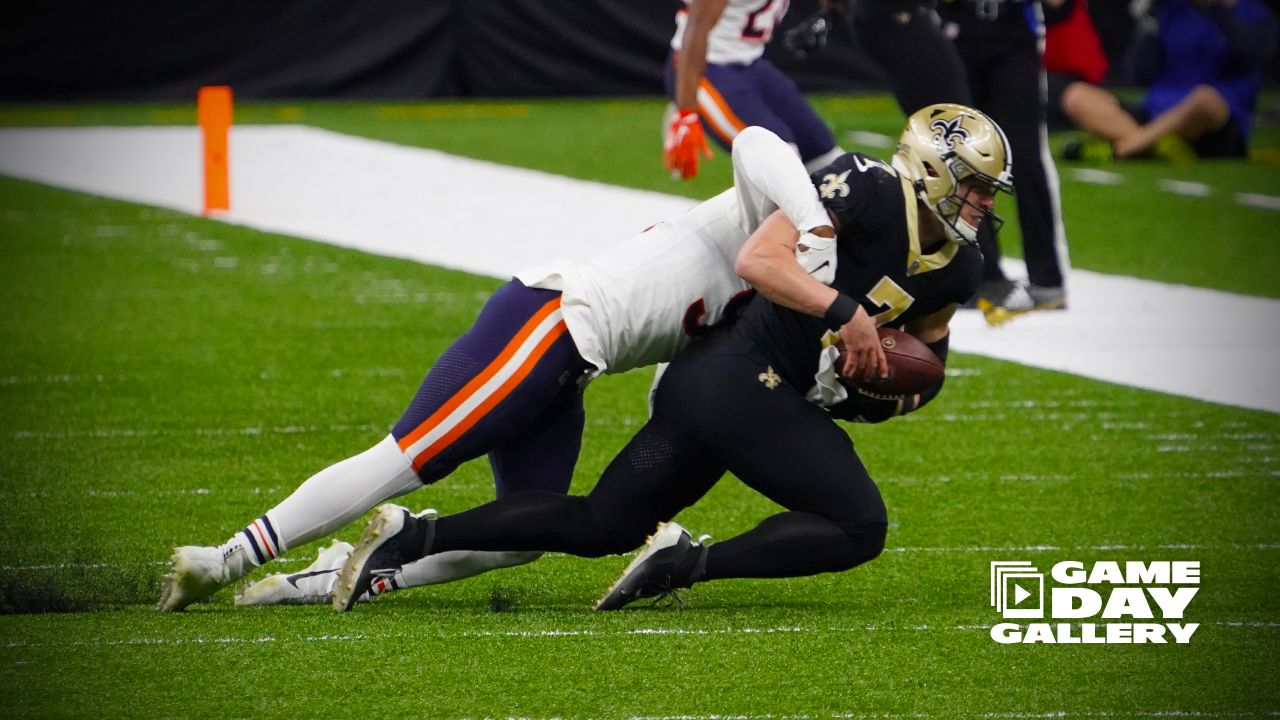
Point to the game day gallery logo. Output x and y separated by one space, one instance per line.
1105 602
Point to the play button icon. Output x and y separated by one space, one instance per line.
1017 589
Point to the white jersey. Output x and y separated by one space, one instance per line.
742 31
643 301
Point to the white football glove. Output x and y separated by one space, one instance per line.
817 255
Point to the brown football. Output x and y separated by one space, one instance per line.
912 367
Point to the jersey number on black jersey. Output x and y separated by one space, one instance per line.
888 294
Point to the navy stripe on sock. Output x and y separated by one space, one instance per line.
272 532
253 544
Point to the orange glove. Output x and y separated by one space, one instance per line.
682 142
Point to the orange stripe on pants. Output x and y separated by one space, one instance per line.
729 115
490 402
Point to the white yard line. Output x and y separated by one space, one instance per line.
1184 188
1096 177
495 220
552 633
1258 200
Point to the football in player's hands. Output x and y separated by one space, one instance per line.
912 367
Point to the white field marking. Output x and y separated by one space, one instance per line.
870 139
553 633
1207 475
212 432
423 205
1185 188
1225 474
55 379
58 566
1258 200
1028 403
18 644
183 492
92 566
1097 177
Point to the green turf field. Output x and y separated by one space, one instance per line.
164 379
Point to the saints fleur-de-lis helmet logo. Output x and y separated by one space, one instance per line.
770 378
833 185
948 132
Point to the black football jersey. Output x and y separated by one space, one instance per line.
878 263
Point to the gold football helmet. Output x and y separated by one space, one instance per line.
944 144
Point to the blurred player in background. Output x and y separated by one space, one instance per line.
1001 43
757 398
511 387
718 80
905 39
1203 62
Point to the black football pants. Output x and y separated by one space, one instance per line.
714 412
1005 74
904 38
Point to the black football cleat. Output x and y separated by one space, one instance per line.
670 560
394 537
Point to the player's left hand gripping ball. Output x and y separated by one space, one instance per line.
681 144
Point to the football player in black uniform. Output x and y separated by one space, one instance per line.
757 399
905 39
1002 45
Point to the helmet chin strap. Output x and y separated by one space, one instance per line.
956 229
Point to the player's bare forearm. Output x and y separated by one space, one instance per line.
691 63
768 262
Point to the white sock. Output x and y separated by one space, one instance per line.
458 564
327 501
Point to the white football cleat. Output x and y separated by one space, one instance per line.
313 585
671 560
197 573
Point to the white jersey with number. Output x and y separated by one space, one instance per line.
740 35
643 301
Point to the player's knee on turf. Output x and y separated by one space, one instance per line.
866 539
615 533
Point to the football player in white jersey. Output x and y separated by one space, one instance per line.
718 79
511 387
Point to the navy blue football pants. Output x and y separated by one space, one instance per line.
733 96
510 388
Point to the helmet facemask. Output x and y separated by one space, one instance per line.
948 209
